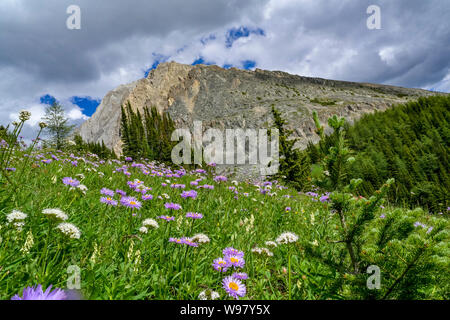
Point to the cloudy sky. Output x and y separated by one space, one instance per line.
121 40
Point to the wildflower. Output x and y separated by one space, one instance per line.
107 192
16 216
382 216
121 192
220 178
189 194
176 240
150 223
235 261
24 115
240 275
208 295
287 237
42 125
143 229
194 215
57 214
29 242
200 238
109 200
147 197
36 293
167 218
262 251
130 202
70 182
189 242
232 252
173 206
234 287
271 244
221 265
287 209
69 230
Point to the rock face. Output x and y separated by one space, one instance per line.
232 98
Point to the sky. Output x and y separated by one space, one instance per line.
118 42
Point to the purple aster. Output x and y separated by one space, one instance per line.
176 240
107 192
220 178
324 198
287 209
233 252
189 242
108 200
235 261
220 265
121 192
173 206
70 182
234 287
189 194
240 275
147 197
167 218
128 159
382 216
194 215
130 202
36 293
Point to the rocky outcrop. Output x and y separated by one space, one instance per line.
231 98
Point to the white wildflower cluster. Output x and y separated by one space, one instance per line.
56 214
200 238
69 230
286 238
24 115
17 219
208 295
143 230
262 251
29 242
150 223
271 244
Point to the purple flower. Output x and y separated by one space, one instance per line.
287 209
109 201
234 287
36 293
235 261
189 242
189 194
107 192
128 159
220 178
167 218
324 198
221 265
147 197
194 215
70 182
11 169
172 206
382 216
130 202
240 275
121 192
230 251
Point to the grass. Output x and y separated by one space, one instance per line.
117 261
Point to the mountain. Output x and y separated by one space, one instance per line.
233 98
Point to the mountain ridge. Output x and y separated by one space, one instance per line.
234 98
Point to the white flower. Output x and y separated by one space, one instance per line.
287 237
150 223
24 115
143 230
69 230
200 238
29 242
262 251
56 213
208 295
271 244
16 215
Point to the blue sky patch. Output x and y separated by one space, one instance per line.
248 64
88 105
47 99
241 32
157 59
